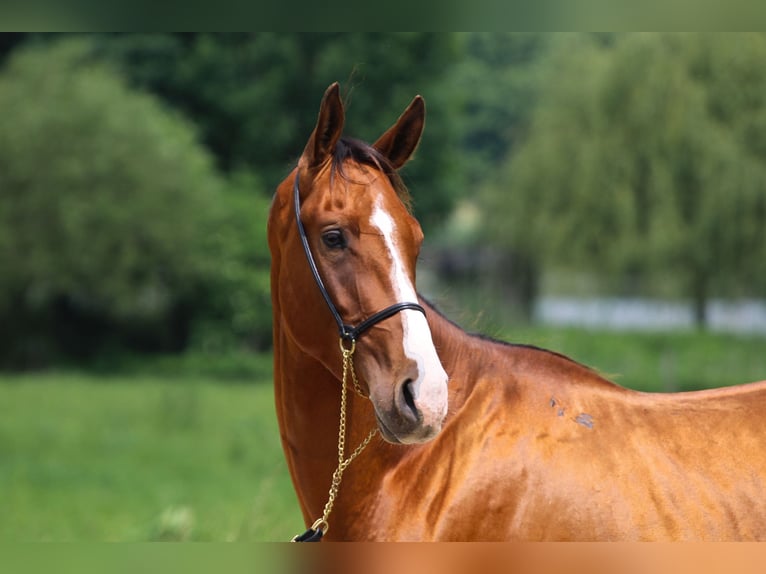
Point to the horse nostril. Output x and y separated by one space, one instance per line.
409 401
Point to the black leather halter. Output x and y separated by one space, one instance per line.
347 332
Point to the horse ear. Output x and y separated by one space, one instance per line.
328 129
401 139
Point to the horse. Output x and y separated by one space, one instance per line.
473 439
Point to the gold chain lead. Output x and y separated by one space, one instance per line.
343 463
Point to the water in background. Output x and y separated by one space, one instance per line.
742 316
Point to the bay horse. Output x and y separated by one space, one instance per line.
478 439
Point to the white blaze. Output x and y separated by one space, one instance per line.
430 388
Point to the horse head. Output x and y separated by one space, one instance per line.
364 243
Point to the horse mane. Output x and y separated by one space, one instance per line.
502 343
364 154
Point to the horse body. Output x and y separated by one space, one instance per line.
533 446
537 447
540 448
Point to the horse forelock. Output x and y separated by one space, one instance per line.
363 153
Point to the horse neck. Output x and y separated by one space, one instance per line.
466 358
308 398
478 365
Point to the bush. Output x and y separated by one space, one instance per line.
114 224
237 301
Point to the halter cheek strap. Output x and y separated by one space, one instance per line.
348 336
347 332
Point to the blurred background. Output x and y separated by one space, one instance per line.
603 195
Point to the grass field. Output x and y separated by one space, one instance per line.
135 459
88 456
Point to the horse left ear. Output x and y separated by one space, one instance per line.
401 139
328 129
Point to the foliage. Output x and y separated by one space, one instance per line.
235 303
111 214
130 237
645 157
255 96
136 169
495 84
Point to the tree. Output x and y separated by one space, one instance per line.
495 85
234 303
108 207
646 158
254 96
494 118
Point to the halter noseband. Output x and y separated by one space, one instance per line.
347 332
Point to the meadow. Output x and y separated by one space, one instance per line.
140 458
188 449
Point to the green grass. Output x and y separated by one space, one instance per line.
141 458
179 455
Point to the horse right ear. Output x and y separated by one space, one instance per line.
327 131
401 139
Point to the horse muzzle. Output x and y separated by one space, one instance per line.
416 412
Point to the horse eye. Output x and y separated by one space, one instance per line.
334 239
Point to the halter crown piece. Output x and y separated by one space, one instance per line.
348 337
